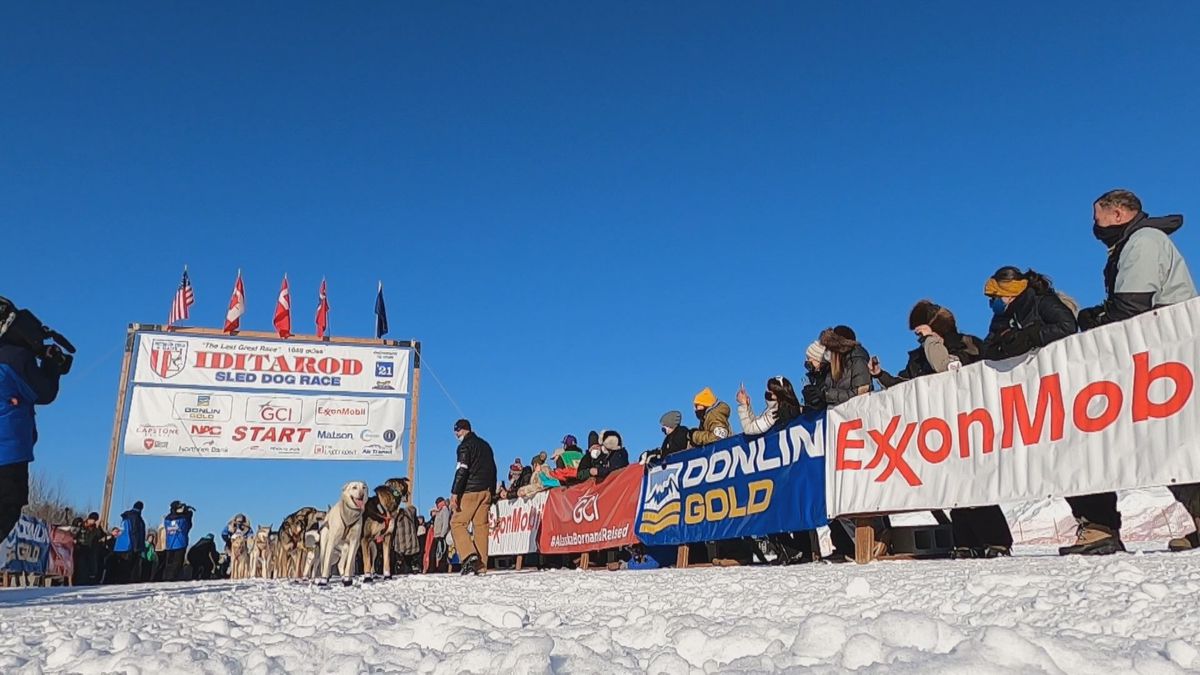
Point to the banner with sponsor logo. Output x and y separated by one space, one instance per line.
62 554
207 362
200 396
744 486
27 548
592 516
514 525
1113 408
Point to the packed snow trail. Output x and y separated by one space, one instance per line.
1031 613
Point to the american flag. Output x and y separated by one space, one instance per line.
183 301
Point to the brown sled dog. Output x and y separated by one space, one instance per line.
379 523
290 552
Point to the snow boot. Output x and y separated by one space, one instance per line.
1187 543
471 565
962 553
994 552
1093 539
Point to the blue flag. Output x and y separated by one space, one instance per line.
381 327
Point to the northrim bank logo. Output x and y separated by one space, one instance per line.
660 506
167 357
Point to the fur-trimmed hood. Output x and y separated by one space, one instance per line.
837 341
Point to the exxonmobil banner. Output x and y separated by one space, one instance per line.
514 525
592 516
744 486
1112 408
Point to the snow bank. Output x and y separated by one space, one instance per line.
1031 613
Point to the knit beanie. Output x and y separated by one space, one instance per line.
816 351
706 398
672 418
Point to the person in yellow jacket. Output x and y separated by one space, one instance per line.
713 416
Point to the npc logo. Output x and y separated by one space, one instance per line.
168 357
661 504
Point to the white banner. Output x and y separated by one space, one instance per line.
240 425
1112 408
243 425
208 362
514 525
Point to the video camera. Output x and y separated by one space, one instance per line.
20 327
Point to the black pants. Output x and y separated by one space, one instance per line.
1100 509
172 562
128 568
14 494
793 544
980 527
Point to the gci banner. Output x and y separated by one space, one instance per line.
744 486
592 515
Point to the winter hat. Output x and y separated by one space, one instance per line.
440 500
705 398
816 351
593 438
612 441
839 339
671 418
138 506
93 516
568 441
938 318
462 425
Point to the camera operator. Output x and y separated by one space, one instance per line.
177 523
28 377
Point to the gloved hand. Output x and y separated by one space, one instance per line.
1013 343
814 396
1091 317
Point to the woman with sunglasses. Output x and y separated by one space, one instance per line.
783 406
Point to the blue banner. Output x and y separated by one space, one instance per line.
27 547
744 486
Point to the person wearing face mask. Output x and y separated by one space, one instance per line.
844 370
1027 313
783 406
713 416
675 435
471 498
1144 270
604 458
979 532
940 346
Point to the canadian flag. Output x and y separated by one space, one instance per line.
237 306
283 311
322 311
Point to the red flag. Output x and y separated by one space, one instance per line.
322 311
283 311
237 306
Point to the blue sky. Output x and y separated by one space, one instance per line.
586 213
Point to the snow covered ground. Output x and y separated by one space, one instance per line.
1031 613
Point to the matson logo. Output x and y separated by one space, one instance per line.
342 412
1094 408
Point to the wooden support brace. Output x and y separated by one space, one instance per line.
520 563
864 540
583 560
681 558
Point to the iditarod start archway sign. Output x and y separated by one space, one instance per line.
192 392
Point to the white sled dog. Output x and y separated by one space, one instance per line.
343 531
